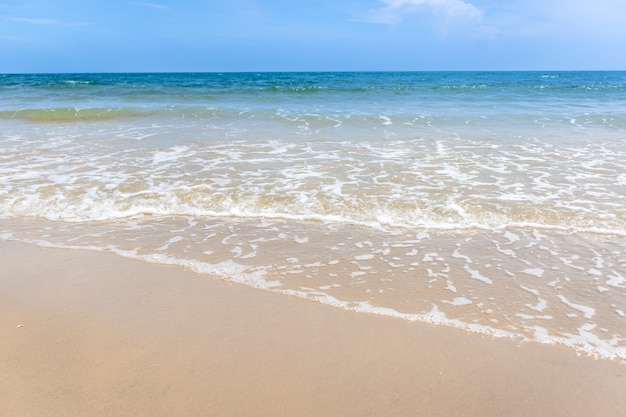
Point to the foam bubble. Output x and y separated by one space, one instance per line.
588 312
616 280
538 272
459 301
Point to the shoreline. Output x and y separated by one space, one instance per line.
91 333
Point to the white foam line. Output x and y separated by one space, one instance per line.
250 255
458 301
456 254
511 237
529 317
616 280
584 342
587 311
530 290
538 272
540 306
74 216
474 274
170 242
433 317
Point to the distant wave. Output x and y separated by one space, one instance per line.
71 114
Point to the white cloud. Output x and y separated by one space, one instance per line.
394 10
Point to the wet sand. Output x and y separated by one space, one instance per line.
93 334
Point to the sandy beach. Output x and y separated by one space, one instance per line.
92 334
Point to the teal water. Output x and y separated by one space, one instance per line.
588 97
490 201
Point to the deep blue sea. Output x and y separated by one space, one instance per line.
494 202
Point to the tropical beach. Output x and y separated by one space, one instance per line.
488 201
313 243
329 208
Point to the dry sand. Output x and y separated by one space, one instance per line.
92 334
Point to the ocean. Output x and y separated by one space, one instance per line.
494 202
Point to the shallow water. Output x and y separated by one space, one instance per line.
493 202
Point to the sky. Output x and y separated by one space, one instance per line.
310 35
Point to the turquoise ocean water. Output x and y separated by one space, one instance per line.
490 201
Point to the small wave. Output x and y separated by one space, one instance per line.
297 88
88 210
78 82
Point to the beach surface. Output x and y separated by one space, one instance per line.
92 334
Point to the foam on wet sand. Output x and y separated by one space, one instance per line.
90 333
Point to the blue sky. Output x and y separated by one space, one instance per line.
318 35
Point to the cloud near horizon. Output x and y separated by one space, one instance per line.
394 10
